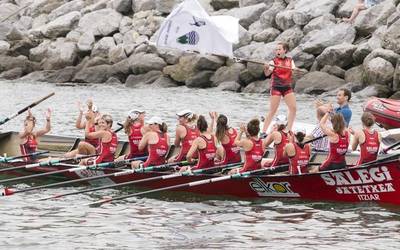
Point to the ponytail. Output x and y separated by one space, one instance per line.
202 124
300 136
127 125
163 127
222 127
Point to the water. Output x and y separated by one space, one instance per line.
174 221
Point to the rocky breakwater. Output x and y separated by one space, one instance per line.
107 41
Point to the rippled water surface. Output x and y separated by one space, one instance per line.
174 221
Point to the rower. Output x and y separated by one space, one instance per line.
108 141
298 153
338 142
157 142
28 136
186 133
368 139
229 152
280 137
135 129
204 145
253 146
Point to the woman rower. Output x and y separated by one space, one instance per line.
108 141
229 152
28 136
186 132
338 142
135 129
298 153
253 146
280 137
157 142
204 145
368 139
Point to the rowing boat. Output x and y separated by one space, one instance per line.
378 182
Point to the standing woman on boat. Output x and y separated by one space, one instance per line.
157 142
281 85
135 129
203 146
368 139
229 152
252 145
339 140
280 137
186 132
298 153
28 136
108 141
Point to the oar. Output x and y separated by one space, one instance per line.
8 191
8 159
72 168
163 177
26 108
313 140
391 147
197 183
121 126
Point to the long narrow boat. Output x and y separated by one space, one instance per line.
378 182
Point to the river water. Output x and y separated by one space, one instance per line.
174 221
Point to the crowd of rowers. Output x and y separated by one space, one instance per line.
208 144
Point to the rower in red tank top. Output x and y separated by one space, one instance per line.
299 154
29 147
229 152
253 157
157 142
106 150
134 138
206 155
232 152
368 139
94 142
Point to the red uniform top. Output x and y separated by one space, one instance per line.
232 152
253 157
29 147
207 154
191 134
279 158
337 151
298 162
106 150
134 138
157 152
282 77
94 142
369 149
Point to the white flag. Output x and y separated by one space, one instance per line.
189 27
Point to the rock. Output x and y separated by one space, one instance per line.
7 9
319 23
284 19
291 36
39 21
125 25
59 54
72 6
318 82
375 90
24 23
12 74
122 6
267 35
395 96
311 9
165 6
170 56
39 53
39 76
164 82
8 63
267 18
143 5
249 14
369 20
245 38
117 54
355 75
340 55
62 25
261 87
302 59
64 75
95 61
86 42
245 77
97 5
224 4
346 8
378 71
361 52
118 38
103 47
388 55
100 22
332 35
393 19
143 79
229 86
74 36
334 70
227 74
392 37
95 74
43 7
4 47
396 76
142 63
15 34
375 42
200 80
113 80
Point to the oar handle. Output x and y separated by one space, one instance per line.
7 159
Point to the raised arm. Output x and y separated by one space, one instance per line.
47 127
324 126
144 141
213 116
79 124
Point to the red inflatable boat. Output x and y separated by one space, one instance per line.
386 112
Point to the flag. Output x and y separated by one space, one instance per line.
189 27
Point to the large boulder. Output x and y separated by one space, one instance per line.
319 23
362 51
122 6
318 82
9 62
224 4
302 59
291 36
249 14
103 47
97 5
379 71
142 79
245 38
309 9
355 75
227 74
42 7
95 74
386 54
12 74
101 22
4 47
117 54
7 9
392 37
334 70
86 42
375 90
267 35
340 55
75 5
201 79
261 87
142 63
164 82
346 8
267 18
229 86
61 25
143 5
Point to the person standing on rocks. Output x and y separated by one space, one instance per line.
280 69
361 5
